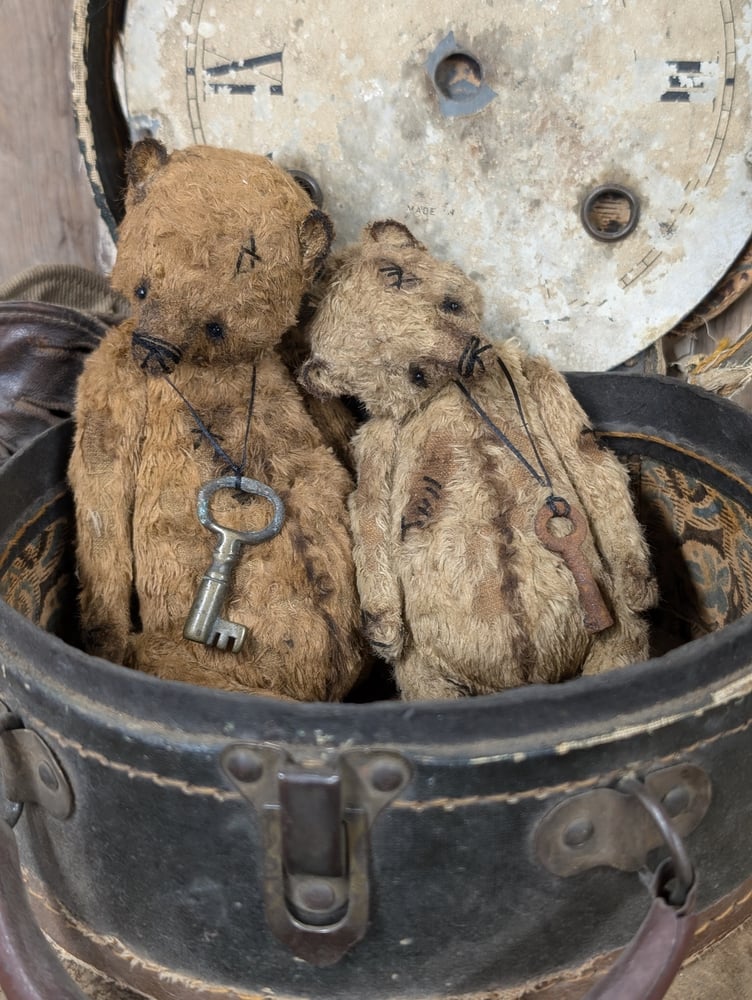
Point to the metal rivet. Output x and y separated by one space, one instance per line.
317 895
610 212
48 777
386 776
244 765
578 832
676 800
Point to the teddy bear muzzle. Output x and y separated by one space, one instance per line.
153 355
470 360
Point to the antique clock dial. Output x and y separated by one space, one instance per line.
588 162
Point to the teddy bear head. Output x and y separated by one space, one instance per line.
215 253
394 325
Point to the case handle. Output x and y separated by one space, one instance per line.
29 968
648 965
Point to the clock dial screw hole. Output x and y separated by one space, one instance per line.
610 212
310 185
458 77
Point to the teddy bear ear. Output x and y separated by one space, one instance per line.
393 234
143 159
316 237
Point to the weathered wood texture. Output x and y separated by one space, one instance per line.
47 213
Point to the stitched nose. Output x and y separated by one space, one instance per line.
471 357
154 355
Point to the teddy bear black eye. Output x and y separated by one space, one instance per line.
214 330
450 305
394 275
142 290
418 376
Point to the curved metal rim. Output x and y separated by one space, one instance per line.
92 41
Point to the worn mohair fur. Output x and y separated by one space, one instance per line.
215 254
456 589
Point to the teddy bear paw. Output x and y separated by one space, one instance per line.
385 632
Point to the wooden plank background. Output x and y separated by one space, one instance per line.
47 213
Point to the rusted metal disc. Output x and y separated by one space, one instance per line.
586 162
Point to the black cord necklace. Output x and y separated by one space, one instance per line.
238 468
558 506
596 615
204 623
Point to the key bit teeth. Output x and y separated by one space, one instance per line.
229 638
236 643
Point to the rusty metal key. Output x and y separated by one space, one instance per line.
596 615
204 623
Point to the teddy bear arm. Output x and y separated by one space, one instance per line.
378 583
105 569
101 474
105 586
601 483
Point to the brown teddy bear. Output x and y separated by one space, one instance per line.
495 541
187 412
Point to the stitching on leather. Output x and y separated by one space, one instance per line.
224 796
695 956
445 803
721 916
585 974
599 964
544 792
177 784
116 946
595 966
449 805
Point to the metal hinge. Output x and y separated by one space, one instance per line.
29 772
609 826
316 811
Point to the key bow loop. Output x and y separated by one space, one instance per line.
204 623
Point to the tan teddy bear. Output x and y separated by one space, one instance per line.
495 541
186 411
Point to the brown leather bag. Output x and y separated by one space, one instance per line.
42 350
51 316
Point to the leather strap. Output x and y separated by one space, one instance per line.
648 965
29 968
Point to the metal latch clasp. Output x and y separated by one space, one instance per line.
316 811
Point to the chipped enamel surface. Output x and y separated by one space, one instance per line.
653 95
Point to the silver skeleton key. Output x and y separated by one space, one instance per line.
204 623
